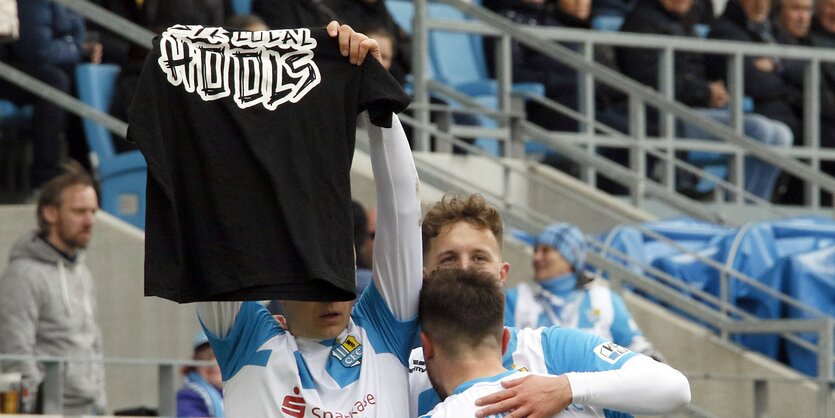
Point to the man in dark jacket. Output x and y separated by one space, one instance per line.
693 87
52 42
373 16
797 27
766 78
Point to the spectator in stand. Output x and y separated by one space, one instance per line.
822 32
797 27
52 42
48 297
286 14
201 394
765 77
693 88
366 15
388 46
364 259
560 80
246 22
563 294
160 14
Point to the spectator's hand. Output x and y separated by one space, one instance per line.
93 50
354 45
765 64
530 396
719 96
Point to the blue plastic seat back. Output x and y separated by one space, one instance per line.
458 57
242 7
403 13
607 23
95 88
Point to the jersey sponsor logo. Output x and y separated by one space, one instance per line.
269 68
358 409
349 353
294 406
610 352
418 366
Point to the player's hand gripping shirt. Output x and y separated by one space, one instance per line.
268 372
249 138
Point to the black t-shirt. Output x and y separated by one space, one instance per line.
249 138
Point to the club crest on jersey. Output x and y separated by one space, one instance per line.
610 352
349 353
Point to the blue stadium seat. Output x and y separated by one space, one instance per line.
14 156
122 176
458 58
242 7
607 23
403 12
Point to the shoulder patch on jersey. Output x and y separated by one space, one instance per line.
349 353
610 352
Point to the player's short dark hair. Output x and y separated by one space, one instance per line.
462 308
52 192
453 208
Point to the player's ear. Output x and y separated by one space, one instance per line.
504 272
505 339
428 350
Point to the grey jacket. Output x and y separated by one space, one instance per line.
47 308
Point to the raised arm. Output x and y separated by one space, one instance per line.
397 263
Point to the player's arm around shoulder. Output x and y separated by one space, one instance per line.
587 370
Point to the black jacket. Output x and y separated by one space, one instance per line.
773 93
691 81
367 17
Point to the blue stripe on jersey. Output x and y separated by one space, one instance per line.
616 414
253 327
622 330
385 333
466 385
507 357
304 373
427 400
571 349
511 298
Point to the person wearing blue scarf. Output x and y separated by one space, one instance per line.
563 294
200 395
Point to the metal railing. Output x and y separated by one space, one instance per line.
52 389
538 38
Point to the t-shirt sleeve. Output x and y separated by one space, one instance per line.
238 345
569 350
380 94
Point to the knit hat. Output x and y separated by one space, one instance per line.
568 240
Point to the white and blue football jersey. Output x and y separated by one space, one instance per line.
552 351
596 309
269 373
